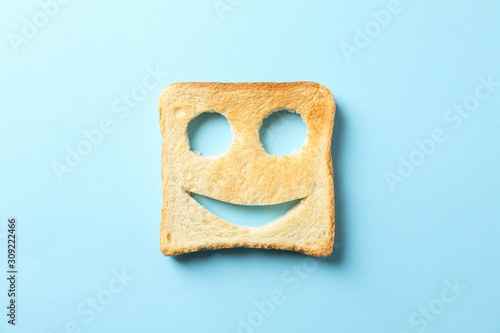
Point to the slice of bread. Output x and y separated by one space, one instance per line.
246 174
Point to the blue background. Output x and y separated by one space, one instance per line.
397 250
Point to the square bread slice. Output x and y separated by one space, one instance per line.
246 174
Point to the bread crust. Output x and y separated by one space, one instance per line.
236 177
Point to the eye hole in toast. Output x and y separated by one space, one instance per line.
209 134
283 132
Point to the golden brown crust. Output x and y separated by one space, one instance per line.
244 85
237 175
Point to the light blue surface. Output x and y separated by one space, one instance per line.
283 132
209 134
398 252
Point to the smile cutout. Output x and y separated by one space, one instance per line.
245 215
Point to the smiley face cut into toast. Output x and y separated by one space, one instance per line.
246 174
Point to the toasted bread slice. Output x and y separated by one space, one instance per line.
246 174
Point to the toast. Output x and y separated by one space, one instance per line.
246 174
